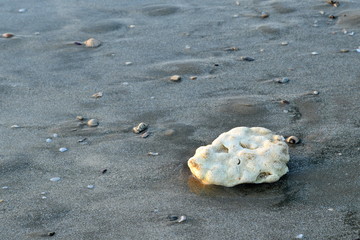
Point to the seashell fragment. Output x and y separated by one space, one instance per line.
175 78
92 43
182 219
140 128
63 149
145 134
93 123
292 140
193 78
55 179
153 153
15 126
97 95
7 35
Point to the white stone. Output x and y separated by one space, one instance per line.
241 155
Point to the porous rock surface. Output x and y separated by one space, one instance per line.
241 155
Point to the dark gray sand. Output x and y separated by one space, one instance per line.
46 81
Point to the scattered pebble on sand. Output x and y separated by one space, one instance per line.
292 140
284 43
237 3
92 43
330 209
1 200
231 49
332 16
247 59
322 12
140 128
49 140
55 135
145 134
82 140
314 53
93 122
78 43
193 77
90 186
358 50
125 83
55 179
63 149
175 78
282 80
300 236
80 118
128 63
51 234
235 16
103 171
187 46
7 35
344 50
334 3
182 219
264 15
132 26
177 219
22 10
153 153
15 126
5 187
97 95
172 217
43 197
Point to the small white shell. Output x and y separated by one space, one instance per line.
153 153
55 179
49 140
181 219
97 95
63 149
140 128
90 186
92 43
293 140
93 123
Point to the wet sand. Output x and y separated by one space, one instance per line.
46 81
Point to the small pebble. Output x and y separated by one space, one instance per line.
131 26
351 33
315 93
128 63
322 12
235 16
82 140
63 149
282 80
49 140
55 179
284 43
125 83
103 171
93 123
1 200
97 95
140 128
43 197
231 49
332 17
300 236
264 15
153 153
5 187
248 59
90 186
55 135
237 3
145 134
7 35
284 101
344 50
193 78
80 118
314 53
187 46
175 78
43 193
15 126
78 43
330 209
358 50
51 234
36 33
293 140
92 43
22 10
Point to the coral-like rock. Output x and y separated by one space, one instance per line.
241 155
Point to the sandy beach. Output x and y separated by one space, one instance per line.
103 184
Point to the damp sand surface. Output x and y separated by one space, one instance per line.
108 186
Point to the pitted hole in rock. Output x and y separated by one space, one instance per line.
263 175
247 146
239 162
222 149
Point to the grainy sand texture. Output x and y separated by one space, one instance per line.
290 66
